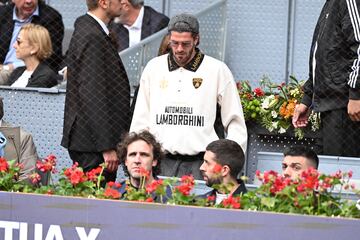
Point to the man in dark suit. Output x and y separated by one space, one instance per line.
26 11
98 93
136 22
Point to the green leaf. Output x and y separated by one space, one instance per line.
268 202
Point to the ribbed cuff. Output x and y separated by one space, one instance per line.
354 94
307 100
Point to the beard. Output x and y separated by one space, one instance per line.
211 181
184 57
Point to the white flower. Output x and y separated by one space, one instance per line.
282 130
274 114
265 104
358 204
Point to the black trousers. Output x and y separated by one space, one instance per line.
90 160
341 136
180 165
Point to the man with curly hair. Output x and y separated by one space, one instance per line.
140 155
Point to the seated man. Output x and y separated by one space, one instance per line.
20 12
21 148
136 22
223 161
298 159
140 155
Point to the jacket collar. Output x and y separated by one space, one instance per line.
193 65
241 189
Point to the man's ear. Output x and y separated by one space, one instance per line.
154 162
225 170
103 3
197 39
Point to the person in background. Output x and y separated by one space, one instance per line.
136 22
4 2
26 154
164 45
33 46
333 87
20 12
163 49
223 161
97 104
178 98
298 159
140 155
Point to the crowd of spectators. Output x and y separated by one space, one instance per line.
181 94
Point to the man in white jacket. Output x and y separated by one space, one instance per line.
178 96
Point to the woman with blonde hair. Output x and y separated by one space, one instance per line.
33 46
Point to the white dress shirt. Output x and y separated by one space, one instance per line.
135 29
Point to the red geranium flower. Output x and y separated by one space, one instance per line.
75 174
188 179
144 173
111 193
184 189
4 166
35 178
152 187
93 174
231 202
47 165
211 198
259 92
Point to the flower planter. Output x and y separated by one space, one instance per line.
30 216
261 140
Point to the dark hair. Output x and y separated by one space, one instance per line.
228 152
136 3
147 137
303 151
92 4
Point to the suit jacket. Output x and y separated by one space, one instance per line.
153 22
48 17
97 100
43 76
27 154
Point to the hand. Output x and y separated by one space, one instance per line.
354 110
10 67
111 160
300 118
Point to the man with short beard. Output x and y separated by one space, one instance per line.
178 98
97 100
223 161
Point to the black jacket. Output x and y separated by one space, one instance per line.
335 46
153 22
240 190
42 77
97 100
48 17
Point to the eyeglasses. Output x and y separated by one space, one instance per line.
20 42
183 44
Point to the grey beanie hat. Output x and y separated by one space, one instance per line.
184 22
